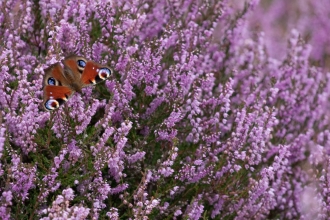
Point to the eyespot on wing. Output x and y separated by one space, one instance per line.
104 73
94 73
54 75
55 96
52 82
51 104
81 63
75 63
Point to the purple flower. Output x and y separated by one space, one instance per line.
211 110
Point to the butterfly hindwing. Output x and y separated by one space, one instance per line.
74 66
54 75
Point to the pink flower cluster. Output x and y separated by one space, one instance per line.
213 111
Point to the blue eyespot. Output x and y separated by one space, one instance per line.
104 73
81 63
52 104
51 81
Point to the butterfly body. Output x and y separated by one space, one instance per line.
60 83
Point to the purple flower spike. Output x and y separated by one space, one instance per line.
214 109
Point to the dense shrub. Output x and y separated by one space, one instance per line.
202 118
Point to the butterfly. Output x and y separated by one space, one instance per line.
59 83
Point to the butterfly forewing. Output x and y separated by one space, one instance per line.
95 73
55 96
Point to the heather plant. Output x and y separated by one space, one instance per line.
310 18
199 121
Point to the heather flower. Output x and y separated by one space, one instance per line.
60 208
23 178
177 212
211 112
2 143
6 199
194 210
113 214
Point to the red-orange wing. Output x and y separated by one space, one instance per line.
72 63
54 75
55 96
94 73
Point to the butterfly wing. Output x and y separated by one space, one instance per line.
60 84
54 75
94 73
88 72
74 66
56 91
55 96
